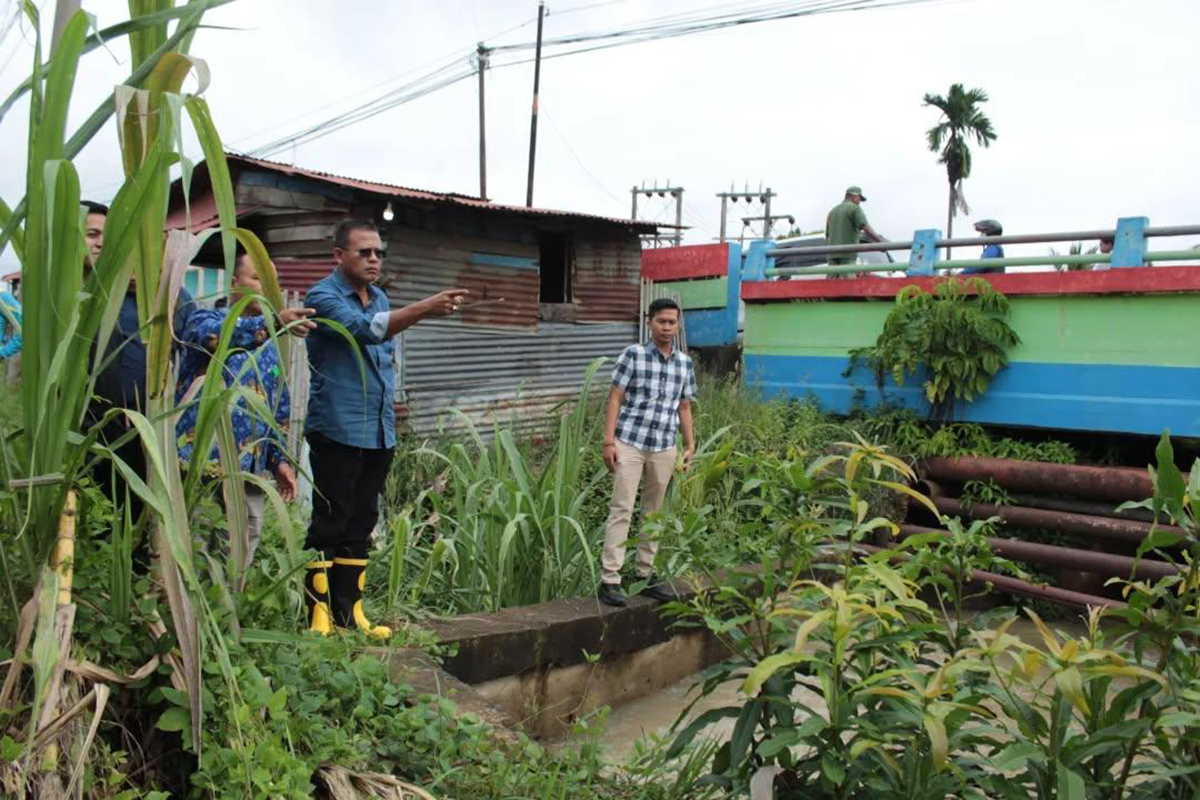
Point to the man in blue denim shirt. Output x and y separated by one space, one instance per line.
351 424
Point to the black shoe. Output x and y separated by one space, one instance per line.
611 595
657 590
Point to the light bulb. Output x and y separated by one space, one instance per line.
388 214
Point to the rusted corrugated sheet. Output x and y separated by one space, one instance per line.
501 275
607 278
515 378
439 197
299 276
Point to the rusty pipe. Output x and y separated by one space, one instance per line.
1017 586
1121 530
1092 508
1066 557
1113 484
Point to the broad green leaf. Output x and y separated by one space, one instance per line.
1159 539
939 745
768 667
1070 683
174 719
1070 784
1169 488
832 769
1014 757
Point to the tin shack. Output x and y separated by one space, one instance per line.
556 289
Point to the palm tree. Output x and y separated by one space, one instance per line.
961 120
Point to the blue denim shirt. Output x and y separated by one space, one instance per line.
341 405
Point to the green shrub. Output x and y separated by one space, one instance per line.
955 337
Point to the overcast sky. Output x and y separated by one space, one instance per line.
1096 103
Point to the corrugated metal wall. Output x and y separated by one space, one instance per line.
511 377
607 277
497 361
502 274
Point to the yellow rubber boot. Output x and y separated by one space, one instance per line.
349 577
316 597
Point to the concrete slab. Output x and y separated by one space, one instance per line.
561 633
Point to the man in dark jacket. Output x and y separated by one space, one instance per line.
121 382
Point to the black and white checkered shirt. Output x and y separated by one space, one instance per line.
653 387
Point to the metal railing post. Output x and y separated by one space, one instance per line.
924 252
1129 243
757 261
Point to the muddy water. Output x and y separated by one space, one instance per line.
657 712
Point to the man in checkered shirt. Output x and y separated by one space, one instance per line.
650 401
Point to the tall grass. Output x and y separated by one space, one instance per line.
69 315
502 532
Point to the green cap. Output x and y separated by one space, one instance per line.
856 190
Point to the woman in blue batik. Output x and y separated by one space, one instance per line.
253 361
10 323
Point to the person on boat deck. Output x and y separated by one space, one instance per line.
1105 247
988 227
845 222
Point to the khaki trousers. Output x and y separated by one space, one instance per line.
631 463
256 502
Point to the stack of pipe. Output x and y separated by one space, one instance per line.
1064 498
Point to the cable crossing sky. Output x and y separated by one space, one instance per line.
652 29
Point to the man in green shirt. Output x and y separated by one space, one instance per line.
845 222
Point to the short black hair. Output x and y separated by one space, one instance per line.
341 234
662 304
1106 240
239 253
94 208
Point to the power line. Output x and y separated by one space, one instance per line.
456 55
703 21
453 56
414 90
665 27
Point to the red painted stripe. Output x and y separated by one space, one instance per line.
690 261
1136 280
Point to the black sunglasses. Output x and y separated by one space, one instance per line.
365 252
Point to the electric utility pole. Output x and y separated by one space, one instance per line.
537 75
676 192
762 196
481 56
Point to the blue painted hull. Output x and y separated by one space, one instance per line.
1086 397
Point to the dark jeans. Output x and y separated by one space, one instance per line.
112 483
346 485
109 478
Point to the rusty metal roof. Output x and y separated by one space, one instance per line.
203 214
468 201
